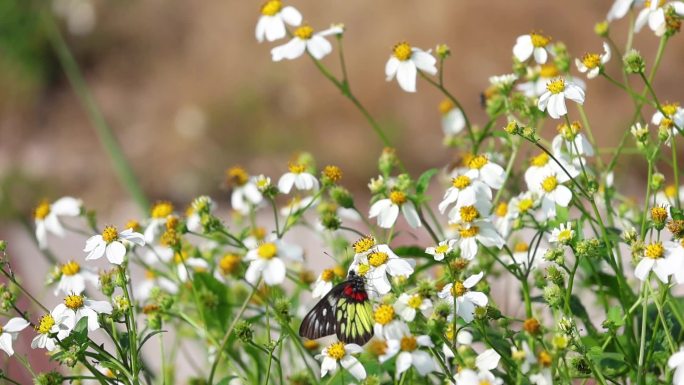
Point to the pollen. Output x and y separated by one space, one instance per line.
446 106
333 173
402 51
469 232
398 197
110 234
521 247
46 323
539 40
556 86
549 71
477 162
671 191
525 204
564 236
296 168
304 32
461 182
73 302
161 210
659 214
549 184
458 289
271 7
377 259
501 209
327 275
229 263
378 347
384 314
364 244
540 160
267 250
408 343
336 351
670 109
415 301
42 210
441 249
237 176
591 60
469 213
70 268
655 250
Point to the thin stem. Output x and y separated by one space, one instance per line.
131 326
642 342
441 88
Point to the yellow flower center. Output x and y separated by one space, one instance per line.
477 162
364 244
162 210
539 40
415 301
402 51
311 344
461 182
671 191
110 234
556 86
469 213
549 184
378 258
469 232
336 351
659 214
133 225
398 197
181 257
545 359
296 168
46 323
363 269
333 173
458 289
501 209
449 334
525 204
408 343
304 32
549 71
271 8
655 250
565 235
327 275
73 302
237 176
591 60
446 106
70 268
441 249
518 355
378 347
384 314
267 250
150 275
670 109
484 382
42 210
521 247
339 271
540 160
647 4
229 263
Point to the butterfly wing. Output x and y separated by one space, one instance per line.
320 321
354 320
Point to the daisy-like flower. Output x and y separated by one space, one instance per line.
266 261
408 305
56 323
468 214
405 62
323 284
541 166
592 63
525 355
553 100
73 278
668 195
562 234
201 205
544 377
386 324
387 210
676 362
674 116
523 204
407 350
77 306
297 177
245 193
482 231
534 44
553 192
377 264
453 120
143 289
157 223
305 40
46 216
9 333
654 14
110 243
464 191
339 352
659 259
274 15
228 265
185 265
481 168
502 219
440 251
575 142
620 8
471 377
466 300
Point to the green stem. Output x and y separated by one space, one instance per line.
641 375
132 328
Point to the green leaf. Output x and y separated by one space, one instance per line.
615 316
411 251
424 181
216 311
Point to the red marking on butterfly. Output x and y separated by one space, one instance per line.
359 296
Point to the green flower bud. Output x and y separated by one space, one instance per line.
342 197
634 63
388 159
330 220
657 181
443 51
553 295
602 28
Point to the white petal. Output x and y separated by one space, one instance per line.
391 68
424 61
116 252
133 237
544 100
473 280
6 343
404 360
103 307
641 19
67 206
388 217
476 297
406 76
318 47
254 270
354 367
41 234
523 48
574 93
656 20
285 183
274 272
291 16
487 360
275 28
97 252
290 50
411 215
563 196
643 268
540 55
52 224
423 362
260 30
557 106
14 325
329 364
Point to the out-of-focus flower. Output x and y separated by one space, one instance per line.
274 15
47 215
534 44
405 63
553 100
110 243
305 40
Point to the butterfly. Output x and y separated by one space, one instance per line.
345 311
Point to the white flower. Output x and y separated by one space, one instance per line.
74 278
306 40
271 24
297 177
562 234
575 143
557 91
245 196
110 243
468 214
541 166
408 305
591 63
668 195
339 352
46 217
553 192
482 231
620 8
481 168
377 264
266 261
487 360
323 284
157 255
676 362
409 353
659 258
654 14
57 322
386 324
523 204
465 191
525 355
540 76
438 252
405 63
471 377
143 289
533 44
387 210
463 337
453 120
466 300
77 306
201 205
545 377
673 117
9 333
160 211
503 82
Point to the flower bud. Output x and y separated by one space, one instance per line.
657 181
388 159
602 28
443 51
553 295
634 63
